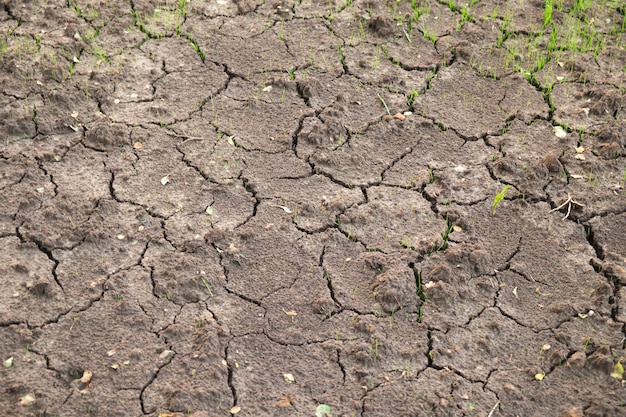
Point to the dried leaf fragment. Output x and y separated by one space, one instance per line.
285 402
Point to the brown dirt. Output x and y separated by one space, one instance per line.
209 208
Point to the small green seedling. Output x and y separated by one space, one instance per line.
618 371
384 104
499 197
208 288
406 242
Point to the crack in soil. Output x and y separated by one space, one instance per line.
246 11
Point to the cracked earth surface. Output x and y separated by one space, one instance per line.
256 207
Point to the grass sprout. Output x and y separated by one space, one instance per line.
499 197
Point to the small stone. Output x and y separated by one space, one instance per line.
559 132
165 354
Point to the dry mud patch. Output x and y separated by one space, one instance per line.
246 207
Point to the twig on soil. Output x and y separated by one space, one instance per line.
569 203
290 313
493 409
189 138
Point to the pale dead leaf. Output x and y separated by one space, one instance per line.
87 374
27 399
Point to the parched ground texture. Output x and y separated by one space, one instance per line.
392 208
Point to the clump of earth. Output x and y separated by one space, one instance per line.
344 207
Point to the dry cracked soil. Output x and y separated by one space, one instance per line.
333 207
